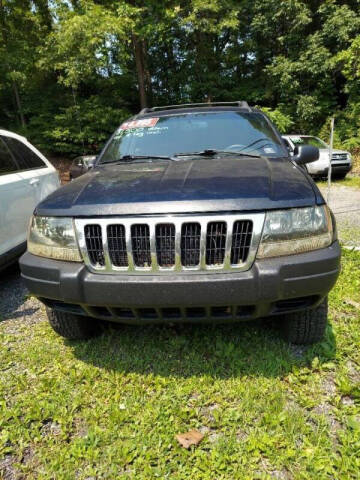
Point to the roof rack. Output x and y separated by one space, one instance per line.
240 104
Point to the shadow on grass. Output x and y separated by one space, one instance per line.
220 351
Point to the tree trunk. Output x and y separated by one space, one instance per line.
18 104
44 13
140 68
146 71
14 85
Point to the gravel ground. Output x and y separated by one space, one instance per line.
16 306
345 203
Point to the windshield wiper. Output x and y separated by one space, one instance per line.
264 139
131 158
212 152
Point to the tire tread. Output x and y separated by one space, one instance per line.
71 326
307 327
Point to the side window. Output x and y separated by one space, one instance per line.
286 143
7 164
26 158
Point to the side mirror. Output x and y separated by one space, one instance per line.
305 154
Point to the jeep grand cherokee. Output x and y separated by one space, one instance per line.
192 213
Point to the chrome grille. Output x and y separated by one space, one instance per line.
339 156
163 244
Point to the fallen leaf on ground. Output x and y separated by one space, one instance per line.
352 303
189 438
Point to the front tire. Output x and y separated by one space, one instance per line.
307 327
73 327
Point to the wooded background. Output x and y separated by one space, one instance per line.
72 70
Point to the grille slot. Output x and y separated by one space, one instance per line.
140 242
94 245
165 244
339 156
190 244
241 240
215 243
117 245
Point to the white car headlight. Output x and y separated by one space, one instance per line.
53 237
297 230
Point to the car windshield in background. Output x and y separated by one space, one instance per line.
246 133
314 141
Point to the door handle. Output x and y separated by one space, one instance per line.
34 181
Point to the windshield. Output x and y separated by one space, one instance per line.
314 141
89 160
188 133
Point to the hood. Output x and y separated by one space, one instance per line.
184 186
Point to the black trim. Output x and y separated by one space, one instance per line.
11 256
31 169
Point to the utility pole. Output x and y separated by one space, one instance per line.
330 158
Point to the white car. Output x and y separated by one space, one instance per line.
341 162
26 178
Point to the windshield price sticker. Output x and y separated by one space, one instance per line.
143 123
269 150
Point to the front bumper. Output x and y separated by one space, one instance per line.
270 287
336 169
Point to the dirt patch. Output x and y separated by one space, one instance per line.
353 371
7 468
50 429
62 165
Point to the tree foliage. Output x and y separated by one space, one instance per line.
71 70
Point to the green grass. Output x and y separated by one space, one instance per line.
109 408
348 235
347 182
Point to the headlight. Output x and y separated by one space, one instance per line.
296 230
349 156
53 238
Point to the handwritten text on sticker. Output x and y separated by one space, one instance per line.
144 122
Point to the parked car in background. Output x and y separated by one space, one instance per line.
192 213
26 178
341 162
81 165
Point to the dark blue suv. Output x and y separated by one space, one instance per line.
192 213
